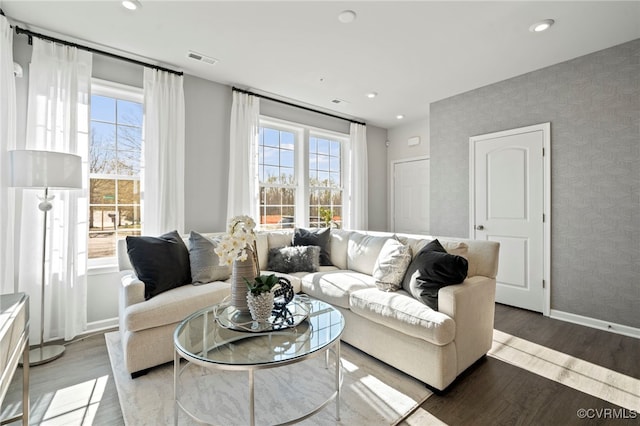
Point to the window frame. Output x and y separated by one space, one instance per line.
303 134
127 93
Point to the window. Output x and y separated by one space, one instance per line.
300 172
115 158
325 182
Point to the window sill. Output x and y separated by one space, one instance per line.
102 269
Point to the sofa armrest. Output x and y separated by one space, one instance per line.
472 307
131 289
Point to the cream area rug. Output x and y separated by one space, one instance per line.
372 392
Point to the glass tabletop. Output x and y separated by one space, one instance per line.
202 338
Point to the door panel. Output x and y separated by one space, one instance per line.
509 204
411 196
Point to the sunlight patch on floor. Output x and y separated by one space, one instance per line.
422 417
592 379
382 397
75 405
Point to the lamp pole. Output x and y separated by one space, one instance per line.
44 354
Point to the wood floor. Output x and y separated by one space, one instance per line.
79 389
493 392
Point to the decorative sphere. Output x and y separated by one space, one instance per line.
45 206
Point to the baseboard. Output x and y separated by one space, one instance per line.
101 325
595 323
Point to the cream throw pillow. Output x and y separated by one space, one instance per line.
391 265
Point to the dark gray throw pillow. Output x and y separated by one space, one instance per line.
432 269
294 259
161 263
315 237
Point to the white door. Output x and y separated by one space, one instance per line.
508 203
411 196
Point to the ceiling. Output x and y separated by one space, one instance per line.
411 53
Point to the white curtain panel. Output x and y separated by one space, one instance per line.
358 209
8 283
244 194
163 168
57 120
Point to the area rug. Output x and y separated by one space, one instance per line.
372 392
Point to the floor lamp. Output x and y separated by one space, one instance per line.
45 170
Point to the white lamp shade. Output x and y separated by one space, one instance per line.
45 169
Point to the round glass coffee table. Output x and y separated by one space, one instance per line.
205 338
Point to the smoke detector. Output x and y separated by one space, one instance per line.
202 58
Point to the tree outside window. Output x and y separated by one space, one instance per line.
115 152
292 190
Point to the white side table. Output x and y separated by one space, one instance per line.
14 344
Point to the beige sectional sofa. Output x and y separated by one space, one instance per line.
432 346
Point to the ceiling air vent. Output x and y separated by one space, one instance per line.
339 101
202 58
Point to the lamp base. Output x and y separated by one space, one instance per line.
42 355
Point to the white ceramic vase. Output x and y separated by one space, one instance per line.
260 305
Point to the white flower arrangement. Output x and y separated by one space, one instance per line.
238 240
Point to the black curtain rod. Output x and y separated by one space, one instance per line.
235 89
92 50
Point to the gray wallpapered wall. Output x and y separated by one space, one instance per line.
593 104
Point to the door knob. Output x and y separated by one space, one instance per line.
479 227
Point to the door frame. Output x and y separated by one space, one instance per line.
546 208
392 181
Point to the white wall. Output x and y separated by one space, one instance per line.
398 136
377 153
207 117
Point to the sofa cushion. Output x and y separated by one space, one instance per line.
334 287
279 238
174 305
417 243
161 263
339 242
391 265
205 264
363 251
402 313
432 269
294 259
315 237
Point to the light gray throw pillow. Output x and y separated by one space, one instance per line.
391 265
205 265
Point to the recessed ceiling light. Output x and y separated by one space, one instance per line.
372 95
541 25
131 4
347 16
399 116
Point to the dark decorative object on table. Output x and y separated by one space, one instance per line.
283 295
